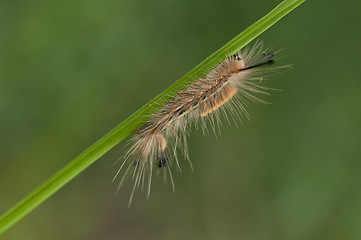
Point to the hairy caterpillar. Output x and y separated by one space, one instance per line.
228 86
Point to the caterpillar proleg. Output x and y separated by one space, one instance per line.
224 92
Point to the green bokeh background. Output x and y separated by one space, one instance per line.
71 70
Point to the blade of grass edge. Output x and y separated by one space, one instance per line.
108 141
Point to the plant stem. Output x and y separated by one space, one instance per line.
103 145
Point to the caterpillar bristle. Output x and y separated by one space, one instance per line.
222 93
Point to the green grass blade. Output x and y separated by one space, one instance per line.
103 145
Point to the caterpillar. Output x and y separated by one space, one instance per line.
226 90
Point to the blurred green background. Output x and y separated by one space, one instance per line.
71 70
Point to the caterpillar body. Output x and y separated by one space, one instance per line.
225 90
